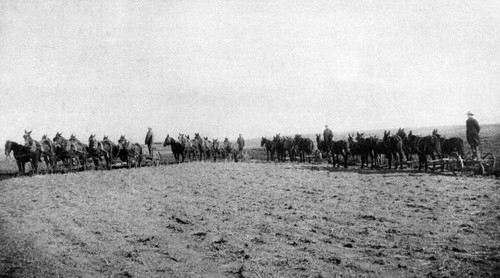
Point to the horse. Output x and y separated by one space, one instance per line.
355 148
305 146
270 148
96 151
394 149
230 148
133 152
450 145
339 147
23 155
423 146
177 147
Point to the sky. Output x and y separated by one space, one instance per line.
222 68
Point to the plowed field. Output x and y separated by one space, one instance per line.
249 220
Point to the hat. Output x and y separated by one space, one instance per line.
149 128
326 126
470 114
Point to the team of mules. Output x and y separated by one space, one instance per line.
368 151
72 153
202 148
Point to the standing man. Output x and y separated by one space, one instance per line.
241 143
328 136
473 134
149 140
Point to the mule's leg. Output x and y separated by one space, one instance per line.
400 160
47 163
20 167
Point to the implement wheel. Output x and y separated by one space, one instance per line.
488 163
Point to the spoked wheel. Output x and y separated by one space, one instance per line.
473 166
456 164
488 163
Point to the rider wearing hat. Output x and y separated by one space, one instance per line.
473 134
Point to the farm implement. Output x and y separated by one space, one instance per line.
467 166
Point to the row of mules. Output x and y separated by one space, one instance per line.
72 152
281 146
393 147
201 148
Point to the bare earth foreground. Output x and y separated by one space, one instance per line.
249 220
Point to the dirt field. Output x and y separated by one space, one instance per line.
249 220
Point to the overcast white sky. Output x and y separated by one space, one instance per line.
253 67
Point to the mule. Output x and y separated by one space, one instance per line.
111 152
200 146
322 146
133 152
356 149
48 152
394 149
230 149
189 148
451 145
270 148
280 147
23 155
424 146
305 147
339 148
216 149
70 152
406 144
35 147
96 151
177 148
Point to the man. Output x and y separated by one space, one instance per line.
473 134
149 140
241 143
327 135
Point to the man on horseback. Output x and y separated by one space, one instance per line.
327 135
473 134
149 140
